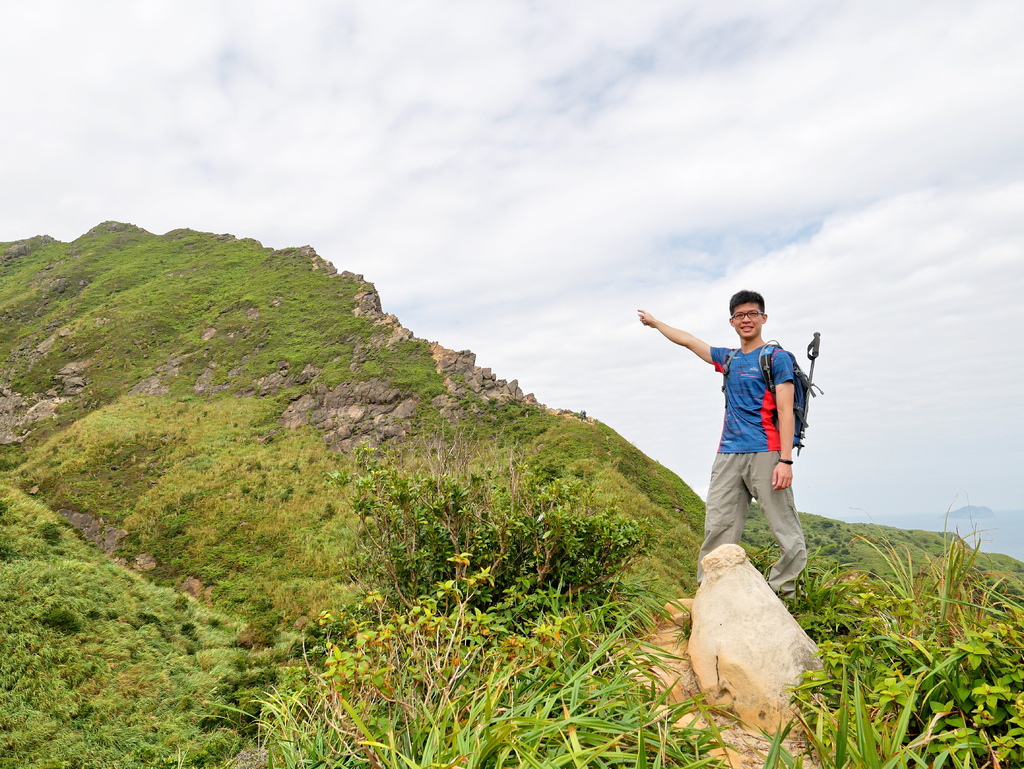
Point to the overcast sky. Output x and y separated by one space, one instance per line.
518 177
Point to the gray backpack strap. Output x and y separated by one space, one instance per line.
765 361
725 373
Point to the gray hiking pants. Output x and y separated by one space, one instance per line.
735 479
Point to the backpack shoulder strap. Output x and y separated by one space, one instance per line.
725 371
765 360
728 360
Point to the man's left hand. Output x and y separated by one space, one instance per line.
782 478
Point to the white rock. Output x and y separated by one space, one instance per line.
747 650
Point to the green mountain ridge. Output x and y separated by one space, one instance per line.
182 401
187 394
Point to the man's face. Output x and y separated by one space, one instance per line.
747 319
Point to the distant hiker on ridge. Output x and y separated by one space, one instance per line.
755 456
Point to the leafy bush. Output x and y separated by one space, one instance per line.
50 531
62 619
524 534
10 458
931 675
497 629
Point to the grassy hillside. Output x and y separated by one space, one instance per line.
173 368
125 301
100 668
179 495
185 399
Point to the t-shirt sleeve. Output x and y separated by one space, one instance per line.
718 356
782 367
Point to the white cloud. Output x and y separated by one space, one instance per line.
518 177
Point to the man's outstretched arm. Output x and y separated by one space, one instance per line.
680 337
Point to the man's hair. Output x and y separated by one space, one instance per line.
745 297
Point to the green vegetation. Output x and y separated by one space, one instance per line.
920 670
101 668
205 479
129 302
473 594
529 535
867 546
569 692
210 488
256 521
498 628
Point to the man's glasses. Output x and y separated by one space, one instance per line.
750 314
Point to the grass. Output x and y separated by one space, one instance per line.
575 693
199 491
211 485
871 547
925 670
127 301
99 667
258 521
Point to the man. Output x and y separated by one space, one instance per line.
755 456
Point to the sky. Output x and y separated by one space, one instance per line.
517 178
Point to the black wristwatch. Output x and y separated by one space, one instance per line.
786 461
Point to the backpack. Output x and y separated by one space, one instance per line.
803 387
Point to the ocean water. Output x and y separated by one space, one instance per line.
1000 532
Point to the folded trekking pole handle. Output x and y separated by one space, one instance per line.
812 348
812 353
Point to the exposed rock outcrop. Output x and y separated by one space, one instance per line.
18 412
25 247
316 262
71 379
158 384
372 411
463 377
96 530
353 413
281 378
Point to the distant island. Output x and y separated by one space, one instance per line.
971 512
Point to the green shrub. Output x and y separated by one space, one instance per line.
10 458
930 676
257 634
442 685
51 532
526 535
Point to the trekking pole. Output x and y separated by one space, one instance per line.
812 352
812 355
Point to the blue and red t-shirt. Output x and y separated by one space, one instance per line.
750 405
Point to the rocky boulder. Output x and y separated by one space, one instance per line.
746 649
464 378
